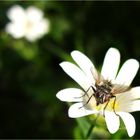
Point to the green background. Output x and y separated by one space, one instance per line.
30 75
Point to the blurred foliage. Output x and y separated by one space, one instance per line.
30 75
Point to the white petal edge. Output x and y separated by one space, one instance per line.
34 13
84 63
16 30
76 74
112 121
129 122
111 64
16 13
70 95
77 110
127 72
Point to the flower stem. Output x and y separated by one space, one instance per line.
89 131
91 127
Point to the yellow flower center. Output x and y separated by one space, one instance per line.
29 25
110 106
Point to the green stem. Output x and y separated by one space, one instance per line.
91 128
89 131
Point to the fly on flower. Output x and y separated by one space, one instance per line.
104 90
107 94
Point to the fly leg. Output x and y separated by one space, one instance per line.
86 92
114 105
105 108
87 101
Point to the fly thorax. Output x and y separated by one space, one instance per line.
103 92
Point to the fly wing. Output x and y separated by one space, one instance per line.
117 89
97 76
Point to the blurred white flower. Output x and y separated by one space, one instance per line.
112 109
28 23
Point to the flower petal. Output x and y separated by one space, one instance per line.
111 64
37 30
127 72
15 29
76 74
129 96
112 121
135 92
85 64
130 106
129 122
70 95
34 14
77 110
135 106
16 13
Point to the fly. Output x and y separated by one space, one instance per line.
104 90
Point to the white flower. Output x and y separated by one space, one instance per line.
27 23
125 102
